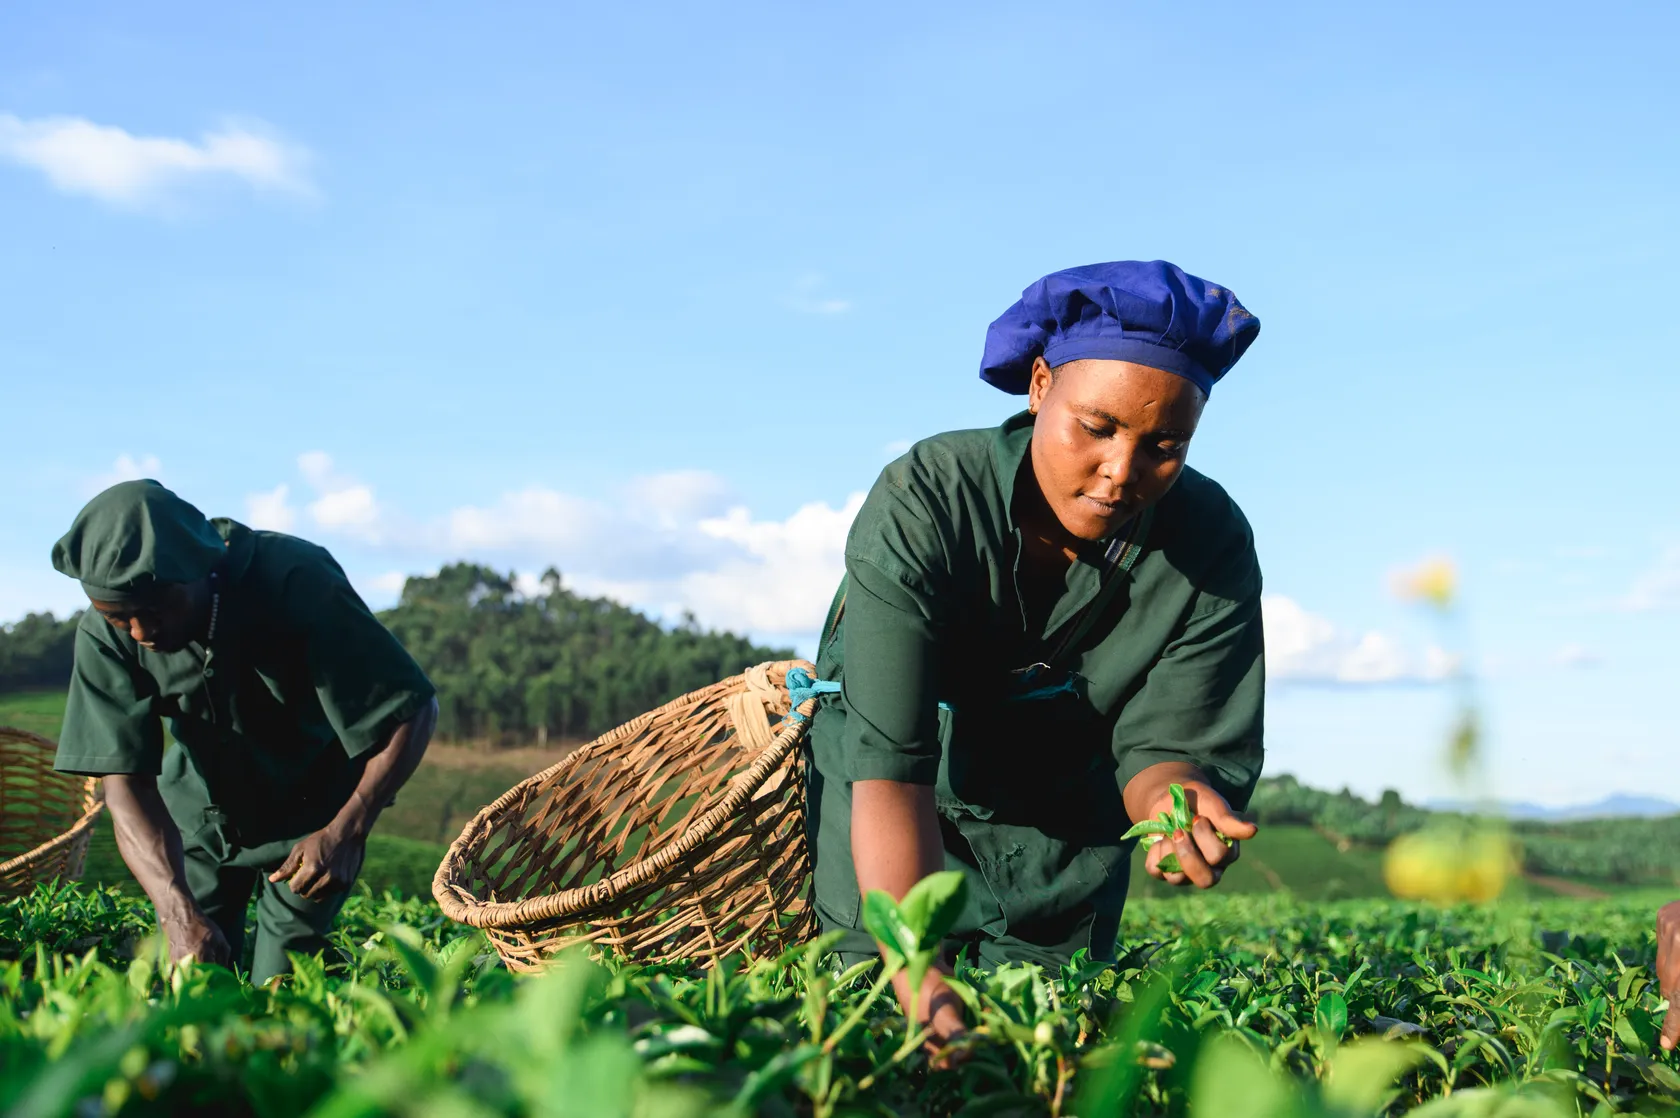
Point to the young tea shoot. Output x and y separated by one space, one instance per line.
1180 818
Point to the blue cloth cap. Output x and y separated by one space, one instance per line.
1150 313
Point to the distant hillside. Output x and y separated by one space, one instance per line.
37 652
507 666
1620 806
1627 850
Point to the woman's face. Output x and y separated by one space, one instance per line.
1109 440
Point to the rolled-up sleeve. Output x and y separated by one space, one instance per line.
110 724
1203 700
890 686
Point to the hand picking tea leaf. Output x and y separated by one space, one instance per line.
1180 818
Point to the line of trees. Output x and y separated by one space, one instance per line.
507 666
37 652
1615 851
1285 800
555 663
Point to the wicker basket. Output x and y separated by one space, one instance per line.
46 817
679 836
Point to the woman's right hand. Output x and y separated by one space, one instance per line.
940 1011
948 1025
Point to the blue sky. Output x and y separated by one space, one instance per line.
653 294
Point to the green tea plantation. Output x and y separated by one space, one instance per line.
1231 1006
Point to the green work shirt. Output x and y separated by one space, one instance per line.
1160 660
274 719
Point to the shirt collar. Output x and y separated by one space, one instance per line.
1010 442
241 544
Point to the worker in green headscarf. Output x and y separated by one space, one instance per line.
297 717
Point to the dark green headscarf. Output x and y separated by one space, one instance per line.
134 537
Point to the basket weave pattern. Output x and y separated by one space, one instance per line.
679 836
46 817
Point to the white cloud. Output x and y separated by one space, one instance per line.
1659 587
342 504
784 574
352 510
1303 647
530 518
391 582
805 297
897 447
270 510
679 496
1577 656
126 468
667 543
105 162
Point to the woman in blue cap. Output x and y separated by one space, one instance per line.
1043 626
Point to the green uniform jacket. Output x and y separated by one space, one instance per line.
275 718
930 651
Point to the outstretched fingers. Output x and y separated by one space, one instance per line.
1227 822
288 867
1213 847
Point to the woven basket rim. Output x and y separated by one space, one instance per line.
91 785
570 902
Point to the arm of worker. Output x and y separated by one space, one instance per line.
112 731
1668 971
328 860
150 844
896 843
378 701
892 750
1197 721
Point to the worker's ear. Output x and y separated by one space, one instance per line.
1038 384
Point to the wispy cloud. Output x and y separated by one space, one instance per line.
806 297
669 543
102 161
126 468
341 503
1303 647
1577 656
1658 587
271 510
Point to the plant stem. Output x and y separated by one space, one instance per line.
911 1043
851 1022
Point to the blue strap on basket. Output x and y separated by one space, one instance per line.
801 685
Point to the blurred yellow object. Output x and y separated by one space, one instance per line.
1446 867
1434 581
1464 745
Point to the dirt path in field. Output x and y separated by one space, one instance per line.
1566 888
528 758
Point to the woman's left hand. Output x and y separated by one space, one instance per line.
1203 856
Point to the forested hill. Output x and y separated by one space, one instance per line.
36 652
556 664
552 664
